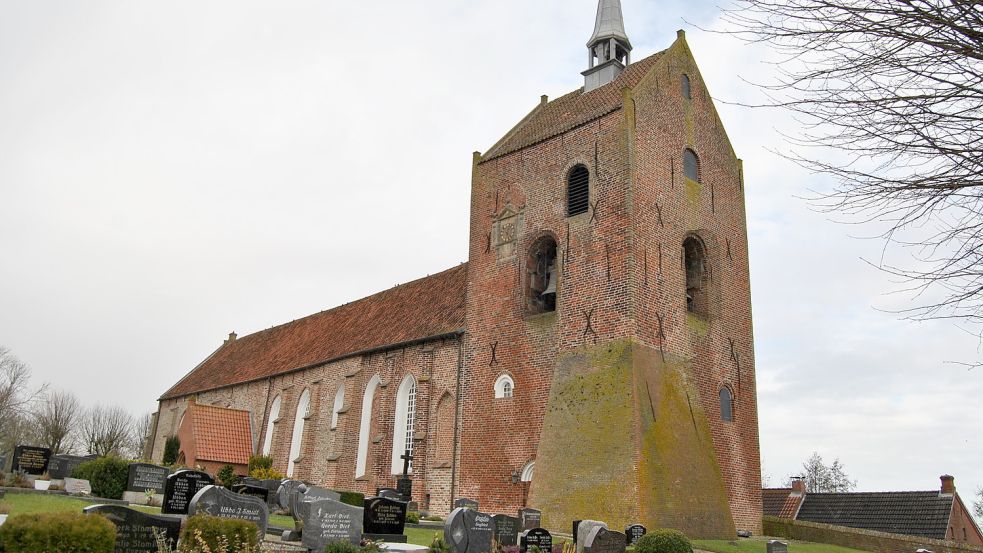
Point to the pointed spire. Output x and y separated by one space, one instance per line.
609 49
610 23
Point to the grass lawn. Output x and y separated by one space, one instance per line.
757 545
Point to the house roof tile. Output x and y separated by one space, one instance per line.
923 514
221 435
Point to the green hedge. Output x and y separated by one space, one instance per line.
663 541
353 498
61 532
207 533
107 475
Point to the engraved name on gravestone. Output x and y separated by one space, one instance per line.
602 540
180 487
634 533
480 531
384 519
466 503
328 521
77 486
220 502
300 500
530 518
585 528
144 476
135 530
506 529
536 537
30 459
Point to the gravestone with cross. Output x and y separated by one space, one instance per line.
404 484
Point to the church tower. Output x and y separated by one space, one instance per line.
608 359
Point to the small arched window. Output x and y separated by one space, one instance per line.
578 190
296 440
726 404
339 402
404 424
694 263
687 93
542 276
274 415
691 165
527 472
504 387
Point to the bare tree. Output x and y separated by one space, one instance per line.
821 477
978 505
15 399
141 434
894 90
55 421
107 430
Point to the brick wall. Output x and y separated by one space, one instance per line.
865 540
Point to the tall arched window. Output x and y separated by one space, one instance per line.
694 260
578 190
691 165
726 404
542 276
504 386
274 415
297 439
404 423
339 402
365 427
687 93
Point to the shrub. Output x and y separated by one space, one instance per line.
63 532
266 474
227 476
206 533
107 475
438 545
353 498
172 447
663 541
341 547
4 508
260 462
19 480
412 517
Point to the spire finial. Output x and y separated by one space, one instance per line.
609 48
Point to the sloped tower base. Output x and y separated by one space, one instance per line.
625 440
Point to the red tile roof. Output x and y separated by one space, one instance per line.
780 502
221 435
430 306
570 111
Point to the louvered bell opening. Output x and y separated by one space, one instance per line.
578 191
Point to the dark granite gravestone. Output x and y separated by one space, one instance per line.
135 530
506 530
299 499
466 503
259 492
30 459
536 537
384 519
602 540
404 487
584 528
456 531
775 546
328 520
390 493
220 502
180 487
144 476
634 532
576 524
61 466
530 518
285 495
480 530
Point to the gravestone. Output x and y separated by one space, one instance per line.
328 520
390 493
468 531
775 546
180 488
404 487
530 518
383 519
634 532
135 530
602 540
576 524
506 530
299 500
30 459
144 476
220 502
285 495
744 533
466 503
536 537
583 529
259 492
61 466
78 486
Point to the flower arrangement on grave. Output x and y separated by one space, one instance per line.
438 545
18 479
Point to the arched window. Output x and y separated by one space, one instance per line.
297 439
504 386
542 276
527 472
339 402
274 415
726 404
404 423
365 427
691 165
694 260
687 93
578 191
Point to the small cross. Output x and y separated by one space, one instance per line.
406 457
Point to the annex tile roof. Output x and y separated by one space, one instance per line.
780 502
221 434
570 111
430 306
923 514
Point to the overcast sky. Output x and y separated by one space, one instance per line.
174 171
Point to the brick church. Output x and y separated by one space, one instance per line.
593 358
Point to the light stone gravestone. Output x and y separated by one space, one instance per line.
775 546
77 486
328 521
135 530
506 530
536 537
585 528
634 533
530 518
602 540
220 502
180 488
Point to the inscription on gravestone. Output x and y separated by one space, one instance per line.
466 503
634 533
480 531
530 518
328 520
61 466
144 476
602 540
536 537
180 487
77 486
506 530
384 517
30 459
220 502
135 530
